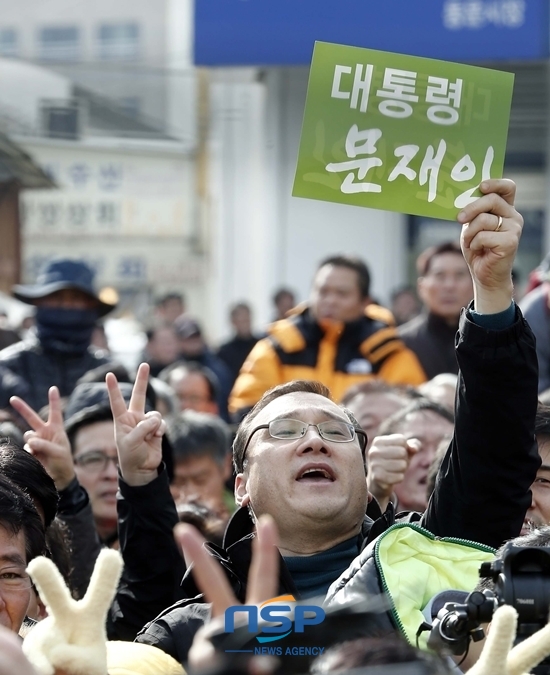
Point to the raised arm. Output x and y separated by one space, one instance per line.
146 514
48 442
483 487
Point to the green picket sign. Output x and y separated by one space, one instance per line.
401 133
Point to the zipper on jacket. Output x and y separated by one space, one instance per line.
452 540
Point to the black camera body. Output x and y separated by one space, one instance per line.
521 579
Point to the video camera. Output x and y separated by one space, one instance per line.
521 578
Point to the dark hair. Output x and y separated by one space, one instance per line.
420 405
195 434
375 386
30 476
354 264
536 539
207 522
17 512
151 330
58 549
173 295
101 415
98 373
164 394
376 651
237 307
280 294
542 420
296 386
424 260
402 290
121 373
188 367
11 433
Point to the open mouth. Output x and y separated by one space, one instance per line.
316 474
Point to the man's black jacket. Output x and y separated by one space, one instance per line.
38 370
433 341
482 492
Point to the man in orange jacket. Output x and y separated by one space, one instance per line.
339 338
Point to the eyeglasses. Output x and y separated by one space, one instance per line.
95 461
14 581
332 430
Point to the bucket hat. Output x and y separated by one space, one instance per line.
58 275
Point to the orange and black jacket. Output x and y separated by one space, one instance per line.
337 354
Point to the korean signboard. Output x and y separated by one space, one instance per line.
127 213
400 133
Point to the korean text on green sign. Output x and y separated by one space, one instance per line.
401 133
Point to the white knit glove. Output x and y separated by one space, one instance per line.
72 638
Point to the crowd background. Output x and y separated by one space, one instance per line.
84 434
147 217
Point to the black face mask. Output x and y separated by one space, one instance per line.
63 330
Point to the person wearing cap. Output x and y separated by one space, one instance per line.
59 352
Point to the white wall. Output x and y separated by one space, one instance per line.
261 236
145 79
239 236
29 16
315 229
181 96
24 86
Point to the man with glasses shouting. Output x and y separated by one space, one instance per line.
299 457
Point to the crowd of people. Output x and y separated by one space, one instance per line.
339 457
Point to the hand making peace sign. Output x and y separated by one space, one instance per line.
138 434
263 582
48 441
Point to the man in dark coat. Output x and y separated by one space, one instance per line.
234 352
59 352
300 458
445 287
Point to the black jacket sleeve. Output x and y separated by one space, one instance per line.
153 566
482 490
175 629
76 512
